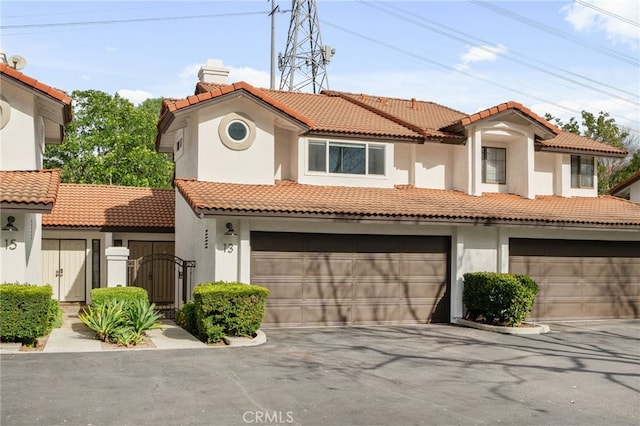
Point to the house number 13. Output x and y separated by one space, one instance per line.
228 248
10 244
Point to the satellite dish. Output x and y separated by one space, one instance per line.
17 61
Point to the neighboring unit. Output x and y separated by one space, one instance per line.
360 209
32 115
629 188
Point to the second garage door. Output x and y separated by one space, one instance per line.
329 279
579 279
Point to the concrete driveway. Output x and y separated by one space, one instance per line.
579 374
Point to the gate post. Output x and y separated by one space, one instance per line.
117 266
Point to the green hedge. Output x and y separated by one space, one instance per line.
186 318
100 296
501 299
228 309
27 312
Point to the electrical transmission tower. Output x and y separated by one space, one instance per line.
305 59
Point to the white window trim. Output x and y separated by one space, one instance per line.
366 144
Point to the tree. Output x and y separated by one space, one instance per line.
603 128
111 141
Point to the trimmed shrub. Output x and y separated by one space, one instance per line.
27 312
186 318
127 294
228 309
500 299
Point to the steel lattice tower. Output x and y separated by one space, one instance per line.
305 59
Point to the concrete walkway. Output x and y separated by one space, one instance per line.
75 336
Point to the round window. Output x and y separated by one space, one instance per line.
237 131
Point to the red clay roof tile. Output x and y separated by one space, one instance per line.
342 113
404 202
112 207
31 82
30 190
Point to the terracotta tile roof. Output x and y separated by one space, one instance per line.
29 190
427 118
287 198
625 184
489 112
108 207
342 113
52 92
566 141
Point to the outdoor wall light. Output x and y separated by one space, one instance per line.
230 230
10 226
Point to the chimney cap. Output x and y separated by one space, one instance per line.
213 71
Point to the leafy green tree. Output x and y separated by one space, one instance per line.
111 141
603 128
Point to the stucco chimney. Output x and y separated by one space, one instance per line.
213 72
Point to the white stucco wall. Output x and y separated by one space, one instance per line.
545 166
21 259
218 163
19 138
434 166
634 192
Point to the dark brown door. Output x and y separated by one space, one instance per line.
156 274
327 279
579 279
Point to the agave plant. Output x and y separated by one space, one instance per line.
142 316
104 319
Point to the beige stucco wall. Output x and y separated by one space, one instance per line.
19 139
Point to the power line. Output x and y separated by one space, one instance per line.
128 21
608 13
526 61
453 69
558 33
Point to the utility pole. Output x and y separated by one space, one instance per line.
305 59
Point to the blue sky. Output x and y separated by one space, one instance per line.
560 57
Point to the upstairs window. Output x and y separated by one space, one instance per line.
582 171
346 158
494 165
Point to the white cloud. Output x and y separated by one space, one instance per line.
252 76
135 96
480 54
587 19
190 72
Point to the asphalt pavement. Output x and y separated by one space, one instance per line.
578 374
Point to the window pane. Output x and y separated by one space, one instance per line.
494 165
95 263
317 157
376 160
347 158
586 171
575 171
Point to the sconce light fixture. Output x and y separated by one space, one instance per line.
10 226
230 230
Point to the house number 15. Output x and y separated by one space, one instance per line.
10 244
227 247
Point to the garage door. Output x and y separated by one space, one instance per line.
580 279
328 279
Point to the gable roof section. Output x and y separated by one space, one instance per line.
48 91
33 190
571 143
112 208
623 187
289 199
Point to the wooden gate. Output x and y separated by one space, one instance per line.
159 273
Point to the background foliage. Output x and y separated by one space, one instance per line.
111 141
